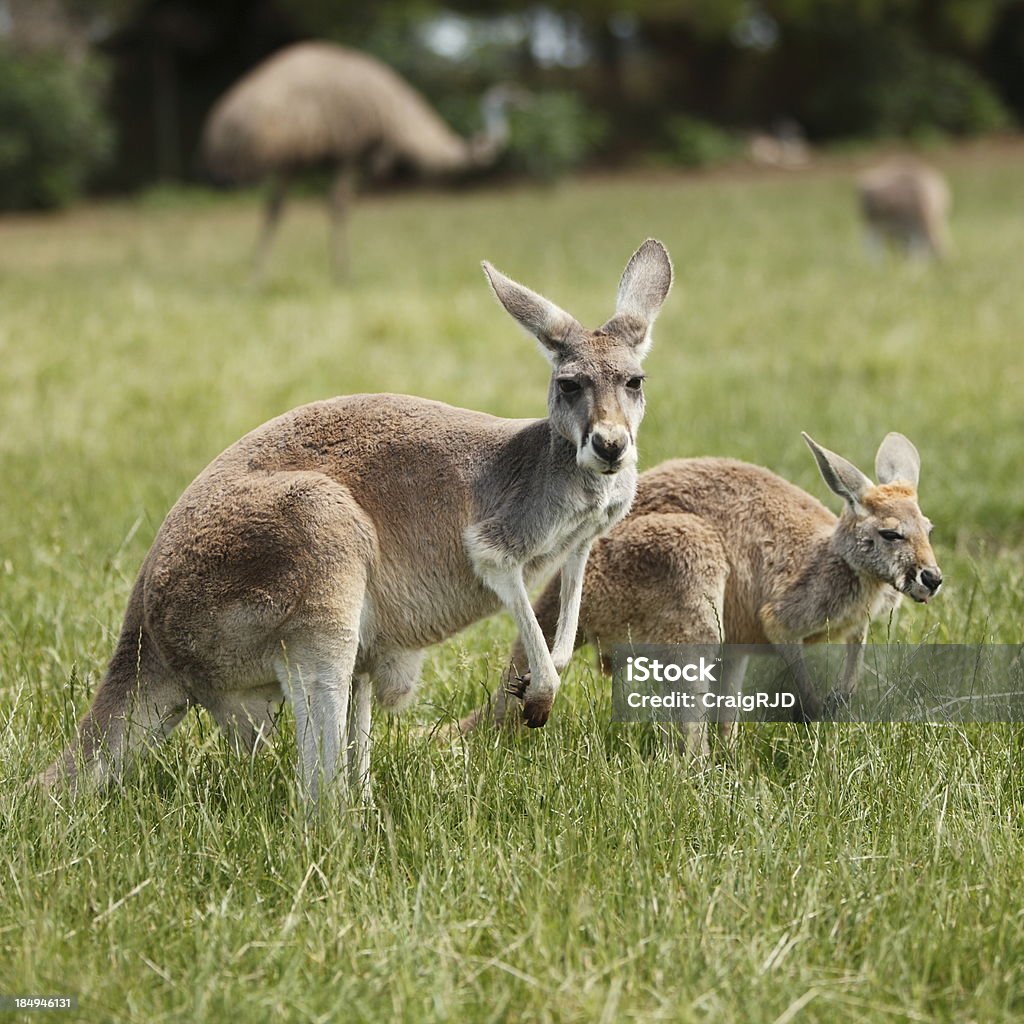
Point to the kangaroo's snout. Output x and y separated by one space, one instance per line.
924 584
609 446
605 448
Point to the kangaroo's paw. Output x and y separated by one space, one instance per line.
517 686
536 712
536 706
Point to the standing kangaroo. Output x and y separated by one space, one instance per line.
327 548
717 550
906 202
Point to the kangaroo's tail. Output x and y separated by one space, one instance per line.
134 706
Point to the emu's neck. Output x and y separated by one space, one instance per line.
486 146
495 117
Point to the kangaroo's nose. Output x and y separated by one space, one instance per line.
607 448
931 578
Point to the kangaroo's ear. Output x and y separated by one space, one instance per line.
842 477
645 283
550 325
897 459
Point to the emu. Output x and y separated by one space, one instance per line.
717 550
321 554
316 104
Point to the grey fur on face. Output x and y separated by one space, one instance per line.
595 399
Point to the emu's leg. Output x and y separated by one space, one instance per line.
342 193
271 220
938 236
919 244
874 243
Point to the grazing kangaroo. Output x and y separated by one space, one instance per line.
906 203
718 550
327 548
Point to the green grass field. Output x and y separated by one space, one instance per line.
829 873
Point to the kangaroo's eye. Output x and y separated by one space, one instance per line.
635 383
568 386
890 535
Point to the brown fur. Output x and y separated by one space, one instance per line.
329 546
717 550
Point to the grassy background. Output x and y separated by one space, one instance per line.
575 874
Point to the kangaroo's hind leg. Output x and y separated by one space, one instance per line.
316 674
734 668
318 650
359 719
659 578
273 209
249 719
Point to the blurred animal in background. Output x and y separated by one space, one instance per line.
784 146
720 551
906 204
318 104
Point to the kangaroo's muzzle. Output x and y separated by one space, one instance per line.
924 584
606 449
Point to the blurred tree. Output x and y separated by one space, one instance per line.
1003 59
171 60
53 132
838 67
883 67
46 26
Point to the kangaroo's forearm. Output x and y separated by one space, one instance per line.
570 599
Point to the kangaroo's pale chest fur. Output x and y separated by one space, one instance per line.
583 519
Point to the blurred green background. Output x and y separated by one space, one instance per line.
110 95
